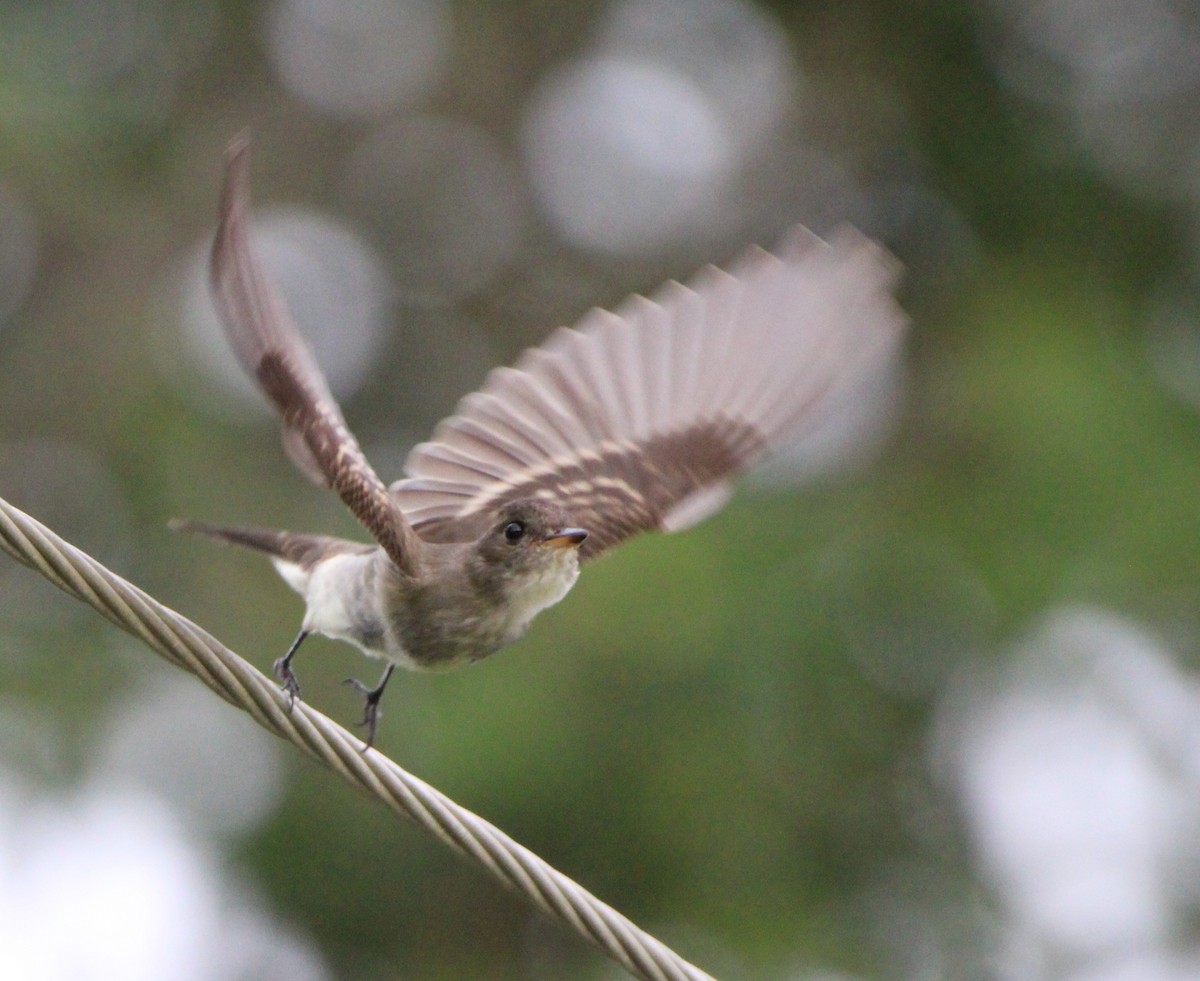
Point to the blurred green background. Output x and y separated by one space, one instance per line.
923 707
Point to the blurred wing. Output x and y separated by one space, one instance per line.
271 349
640 419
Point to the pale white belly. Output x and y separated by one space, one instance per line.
341 602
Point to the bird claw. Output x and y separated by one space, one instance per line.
370 717
358 686
288 680
283 670
371 697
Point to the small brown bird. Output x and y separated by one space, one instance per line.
629 422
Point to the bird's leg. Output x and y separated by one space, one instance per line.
370 717
283 670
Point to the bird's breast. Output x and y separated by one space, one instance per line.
529 596
449 620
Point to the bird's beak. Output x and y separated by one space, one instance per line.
567 538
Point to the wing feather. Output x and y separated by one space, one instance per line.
641 419
266 341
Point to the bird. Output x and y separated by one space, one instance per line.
631 421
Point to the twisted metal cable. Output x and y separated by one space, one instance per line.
190 647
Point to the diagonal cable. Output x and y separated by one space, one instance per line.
237 681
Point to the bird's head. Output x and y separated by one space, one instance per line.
529 532
530 551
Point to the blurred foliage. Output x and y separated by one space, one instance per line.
724 734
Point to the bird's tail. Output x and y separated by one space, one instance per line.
298 549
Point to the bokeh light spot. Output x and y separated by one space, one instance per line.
358 59
624 155
334 286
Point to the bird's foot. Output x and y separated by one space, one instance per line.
283 670
371 697
287 678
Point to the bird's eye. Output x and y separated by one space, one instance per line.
514 530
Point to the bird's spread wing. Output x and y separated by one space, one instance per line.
640 419
272 350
